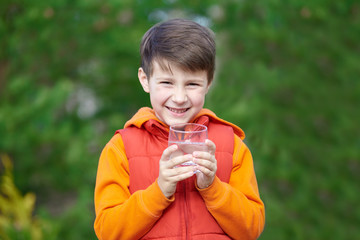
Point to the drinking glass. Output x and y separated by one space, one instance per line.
189 137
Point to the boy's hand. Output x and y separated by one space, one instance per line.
169 174
206 164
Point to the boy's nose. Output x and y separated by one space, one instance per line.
179 95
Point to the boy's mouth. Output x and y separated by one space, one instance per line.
178 110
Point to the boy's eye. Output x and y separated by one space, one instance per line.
194 84
165 82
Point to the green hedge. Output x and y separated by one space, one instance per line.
287 73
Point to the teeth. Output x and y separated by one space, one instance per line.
175 110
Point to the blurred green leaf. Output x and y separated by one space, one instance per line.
287 73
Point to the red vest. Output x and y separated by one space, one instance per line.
187 217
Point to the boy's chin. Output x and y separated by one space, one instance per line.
172 121
178 121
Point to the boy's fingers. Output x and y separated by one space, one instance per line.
204 164
204 158
180 160
180 172
211 146
168 151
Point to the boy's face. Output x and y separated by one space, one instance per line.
176 96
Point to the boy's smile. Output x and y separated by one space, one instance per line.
176 95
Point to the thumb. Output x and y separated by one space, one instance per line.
211 146
168 151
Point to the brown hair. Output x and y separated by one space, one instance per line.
181 42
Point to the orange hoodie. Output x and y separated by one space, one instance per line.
235 205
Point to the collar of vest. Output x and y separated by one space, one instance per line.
146 118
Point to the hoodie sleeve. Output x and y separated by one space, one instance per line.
236 205
120 215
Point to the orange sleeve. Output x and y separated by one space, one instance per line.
236 205
120 215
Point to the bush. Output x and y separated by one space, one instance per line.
16 211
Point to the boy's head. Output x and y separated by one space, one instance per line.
181 43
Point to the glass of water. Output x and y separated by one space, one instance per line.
189 137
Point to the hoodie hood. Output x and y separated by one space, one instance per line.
146 118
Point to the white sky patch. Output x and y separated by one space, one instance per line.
84 102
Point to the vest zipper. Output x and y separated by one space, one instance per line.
187 235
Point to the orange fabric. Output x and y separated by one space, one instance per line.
187 217
236 205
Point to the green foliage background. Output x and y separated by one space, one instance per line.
287 73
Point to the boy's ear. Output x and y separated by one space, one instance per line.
144 81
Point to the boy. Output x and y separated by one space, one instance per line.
139 192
